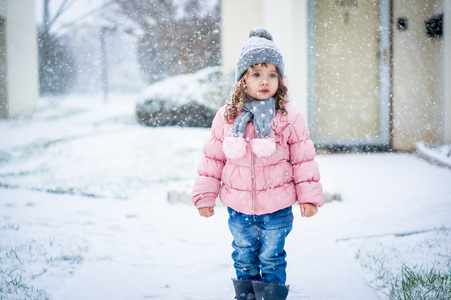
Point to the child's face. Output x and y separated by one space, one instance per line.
262 81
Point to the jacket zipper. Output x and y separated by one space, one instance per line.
253 177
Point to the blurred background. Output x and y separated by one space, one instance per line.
367 75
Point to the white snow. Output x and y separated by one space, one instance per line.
440 154
203 87
107 231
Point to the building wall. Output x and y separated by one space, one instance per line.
21 55
447 72
287 22
240 17
417 76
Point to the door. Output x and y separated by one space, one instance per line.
349 78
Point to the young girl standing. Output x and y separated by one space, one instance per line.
260 161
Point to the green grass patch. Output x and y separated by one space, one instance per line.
414 283
409 266
24 260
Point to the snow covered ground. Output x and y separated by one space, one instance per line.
439 154
84 213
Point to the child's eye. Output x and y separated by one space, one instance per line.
256 74
273 76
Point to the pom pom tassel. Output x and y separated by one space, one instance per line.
263 147
234 147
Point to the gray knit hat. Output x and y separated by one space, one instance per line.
259 48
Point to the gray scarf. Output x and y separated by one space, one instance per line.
262 111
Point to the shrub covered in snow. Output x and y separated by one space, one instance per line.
186 100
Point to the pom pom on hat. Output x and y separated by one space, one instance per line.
259 48
260 32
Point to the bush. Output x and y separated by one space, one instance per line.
186 100
156 113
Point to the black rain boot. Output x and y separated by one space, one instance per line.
243 289
269 291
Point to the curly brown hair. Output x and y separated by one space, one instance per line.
237 96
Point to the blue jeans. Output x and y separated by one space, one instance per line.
258 242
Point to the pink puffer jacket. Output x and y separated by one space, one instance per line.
254 185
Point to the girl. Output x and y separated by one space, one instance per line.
260 161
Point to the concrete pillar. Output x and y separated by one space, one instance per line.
287 21
19 64
238 18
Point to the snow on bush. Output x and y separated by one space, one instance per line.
186 100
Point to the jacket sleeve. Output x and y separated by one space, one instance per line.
305 170
207 184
